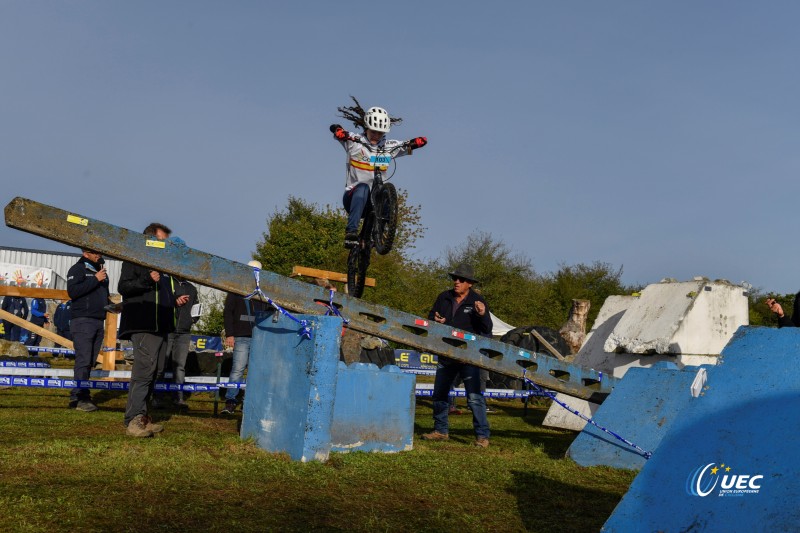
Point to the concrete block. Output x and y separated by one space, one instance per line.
729 463
374 409
558 417
692 317
641 409
291 386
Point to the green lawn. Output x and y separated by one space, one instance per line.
64 470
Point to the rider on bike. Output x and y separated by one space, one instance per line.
361 158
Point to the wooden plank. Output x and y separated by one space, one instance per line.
230 276
326 274
30 292
46 333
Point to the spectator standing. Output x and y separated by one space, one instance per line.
17 306
179 340
62 317
239 317
39 317
87 287
461 308
148 317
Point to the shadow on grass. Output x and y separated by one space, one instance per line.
549 505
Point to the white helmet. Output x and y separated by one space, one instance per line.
377 119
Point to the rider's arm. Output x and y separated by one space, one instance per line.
409 146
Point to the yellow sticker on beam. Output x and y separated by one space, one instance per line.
155 244
78 220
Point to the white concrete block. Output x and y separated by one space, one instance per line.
558 417
693 317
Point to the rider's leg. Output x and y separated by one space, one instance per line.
354 201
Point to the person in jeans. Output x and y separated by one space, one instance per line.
17 306
461 308
178 341
87 286
239 316
39 317
148 317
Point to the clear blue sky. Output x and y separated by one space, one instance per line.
657 136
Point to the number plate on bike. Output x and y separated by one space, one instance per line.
381 160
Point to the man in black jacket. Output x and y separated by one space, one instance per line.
87 286
238 316
17 306
461 308
148 317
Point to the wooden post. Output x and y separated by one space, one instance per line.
109 358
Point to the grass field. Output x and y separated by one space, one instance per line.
64 470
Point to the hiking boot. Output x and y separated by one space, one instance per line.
351 240
230 407
72 404
87 406
481 442
435 435
138 427
149 425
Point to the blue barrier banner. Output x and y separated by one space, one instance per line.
24 364
202 343
422 389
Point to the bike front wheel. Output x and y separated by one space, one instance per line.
385 218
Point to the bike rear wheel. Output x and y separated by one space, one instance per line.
359 257
357 264
385 218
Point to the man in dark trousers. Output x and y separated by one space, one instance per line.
87 286
461 308
179 340
17 306
39 317
62 317
148 317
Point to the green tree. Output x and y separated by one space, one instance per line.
594 282
211 323
759 313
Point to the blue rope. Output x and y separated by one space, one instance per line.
644 453
332 310
305 326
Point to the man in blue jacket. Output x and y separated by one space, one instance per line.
461 308
87 286
39 317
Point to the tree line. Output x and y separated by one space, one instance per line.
310 235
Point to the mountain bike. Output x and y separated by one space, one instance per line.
380 217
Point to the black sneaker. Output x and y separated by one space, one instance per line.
351 240
230 407
72 404
87 406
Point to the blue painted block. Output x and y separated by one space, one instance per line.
374 409
730 462
643 406
291 386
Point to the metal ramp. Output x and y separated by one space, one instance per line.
230 276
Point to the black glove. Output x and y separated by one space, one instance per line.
335 127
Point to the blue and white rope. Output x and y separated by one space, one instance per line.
333 310
644 453
305 326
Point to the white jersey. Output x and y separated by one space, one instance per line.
361 158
